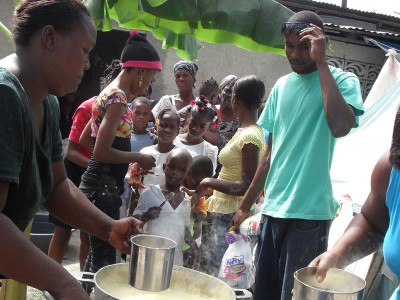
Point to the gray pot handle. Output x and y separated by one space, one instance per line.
242 294
47 296
85 277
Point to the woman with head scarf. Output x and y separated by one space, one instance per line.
185 77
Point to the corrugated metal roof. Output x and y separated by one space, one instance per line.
376 11
338 9
377 24
384 33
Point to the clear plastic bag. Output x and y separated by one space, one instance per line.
237 266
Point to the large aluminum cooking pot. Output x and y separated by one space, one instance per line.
338 285
111 282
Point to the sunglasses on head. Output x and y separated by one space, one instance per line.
287 27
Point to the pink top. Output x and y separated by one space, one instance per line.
80 118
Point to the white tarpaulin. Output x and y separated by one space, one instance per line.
356 154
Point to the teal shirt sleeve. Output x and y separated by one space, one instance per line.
349 86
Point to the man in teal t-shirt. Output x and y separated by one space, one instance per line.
305 112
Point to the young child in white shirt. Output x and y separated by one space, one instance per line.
167 126
165 208
200 120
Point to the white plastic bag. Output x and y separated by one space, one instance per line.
237 266
251 225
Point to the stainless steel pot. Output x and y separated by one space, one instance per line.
111 283
338 285
151 262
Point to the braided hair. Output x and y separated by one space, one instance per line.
209 88
169 111
202 106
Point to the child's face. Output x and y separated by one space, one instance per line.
193 179
176 169
198 125
168 129
141 116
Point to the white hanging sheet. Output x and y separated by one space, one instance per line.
357 153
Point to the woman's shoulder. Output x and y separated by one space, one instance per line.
170 98
255 129
112 93
9 81
12 94
252 133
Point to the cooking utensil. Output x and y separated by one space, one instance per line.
111 283
338 285
151 262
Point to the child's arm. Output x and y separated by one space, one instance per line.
198 217
133 202
207 192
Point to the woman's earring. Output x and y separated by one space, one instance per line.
140 80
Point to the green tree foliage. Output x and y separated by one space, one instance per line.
250 24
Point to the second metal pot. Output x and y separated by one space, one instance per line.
338 285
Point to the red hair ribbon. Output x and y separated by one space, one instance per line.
133 32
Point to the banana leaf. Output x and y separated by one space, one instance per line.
7 34
183 24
